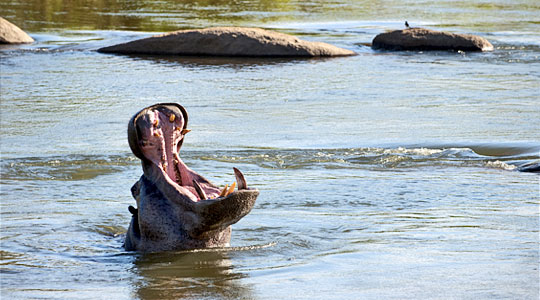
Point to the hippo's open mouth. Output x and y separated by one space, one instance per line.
159 133
176 207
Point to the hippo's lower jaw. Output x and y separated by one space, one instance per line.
176 207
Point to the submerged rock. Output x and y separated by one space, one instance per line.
426 39
11 34
227 41
532 167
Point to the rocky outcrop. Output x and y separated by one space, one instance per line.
426 39
227 41
11 34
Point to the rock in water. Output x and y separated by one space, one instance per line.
426 39
227 41
11 34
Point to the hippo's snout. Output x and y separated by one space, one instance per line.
176 207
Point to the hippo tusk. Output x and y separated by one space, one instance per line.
231 189
199 190
224 191
242 185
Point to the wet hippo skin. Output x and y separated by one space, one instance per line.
177 208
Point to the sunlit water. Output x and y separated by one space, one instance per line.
383 175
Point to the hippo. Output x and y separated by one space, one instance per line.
177 209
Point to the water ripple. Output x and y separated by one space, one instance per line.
84 167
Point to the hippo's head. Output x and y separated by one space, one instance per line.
176 207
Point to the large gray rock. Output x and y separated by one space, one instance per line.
426 39
11 34
227 41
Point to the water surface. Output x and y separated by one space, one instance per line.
383 175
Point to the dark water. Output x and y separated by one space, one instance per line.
384 175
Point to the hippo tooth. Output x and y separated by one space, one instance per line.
199 190
157 134
224 191
231 189
185 131
242 185
156 123
172 117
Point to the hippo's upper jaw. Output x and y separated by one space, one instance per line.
176 207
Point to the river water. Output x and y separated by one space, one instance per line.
387 175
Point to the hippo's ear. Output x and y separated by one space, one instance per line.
218 214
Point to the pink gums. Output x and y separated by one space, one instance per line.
159 143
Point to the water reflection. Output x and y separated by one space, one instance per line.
146 15
168 15
189 275
205 62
